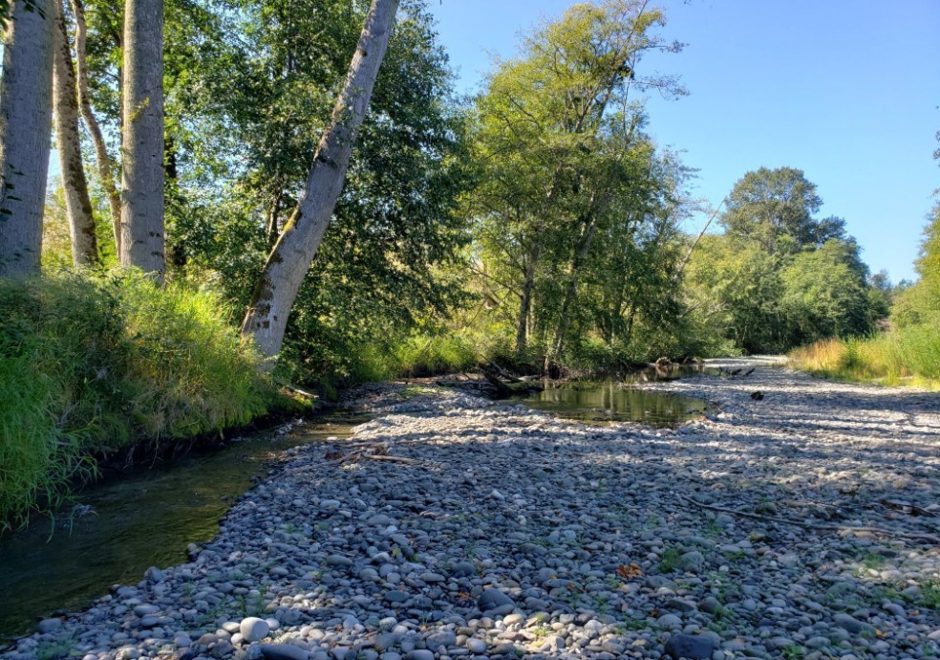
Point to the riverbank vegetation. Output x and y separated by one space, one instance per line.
293 237
908 351
92 365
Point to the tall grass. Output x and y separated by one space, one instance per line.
91 364
909 355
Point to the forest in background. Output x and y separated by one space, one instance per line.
536 225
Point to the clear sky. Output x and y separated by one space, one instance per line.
846 90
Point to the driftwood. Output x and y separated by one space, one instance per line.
505 384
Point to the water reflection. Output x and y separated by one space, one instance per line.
616 401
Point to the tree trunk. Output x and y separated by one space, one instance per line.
525 302
25 123
142 173
266 319
273 229
571 290
65 111
105 164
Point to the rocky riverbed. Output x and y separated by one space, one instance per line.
800 520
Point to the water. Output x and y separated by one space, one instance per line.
616 401
139 520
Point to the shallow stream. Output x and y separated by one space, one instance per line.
119 528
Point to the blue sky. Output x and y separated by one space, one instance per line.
846 90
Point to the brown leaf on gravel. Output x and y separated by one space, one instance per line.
629 571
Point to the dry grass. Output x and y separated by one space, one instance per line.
905 357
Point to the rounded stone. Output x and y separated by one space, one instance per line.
253 629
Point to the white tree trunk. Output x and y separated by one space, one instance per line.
105 164
65 111
25 123
142 240
297 245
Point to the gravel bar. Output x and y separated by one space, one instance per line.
799 520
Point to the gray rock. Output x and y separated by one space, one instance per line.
420 654
149 621
49 626
283 652
440 639
492 599
693 647
692 561
710 605
432 578
849 623
253 629
463 569
338 560
385 640
476 645
895 609
669 621
679 605
144 610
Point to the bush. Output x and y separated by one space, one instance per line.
91 364
428 355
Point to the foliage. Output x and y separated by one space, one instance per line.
775 209
920 303
379 271
778 277
90 364
573 202
910 350
825 293
908 356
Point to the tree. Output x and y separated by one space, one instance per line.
277 288
737 286
775 208
553 129
142 202
826 293
25 122
105 163
920 302
65 101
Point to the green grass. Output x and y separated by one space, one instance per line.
907 356
669 561
428 355
91 364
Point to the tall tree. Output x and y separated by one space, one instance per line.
65 110
105 163
142 232
776 208
277 288
25 122
542 125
